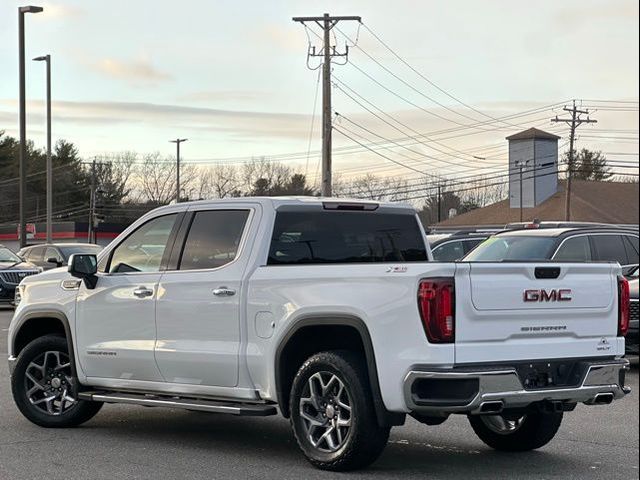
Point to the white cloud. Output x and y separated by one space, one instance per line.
58 10
135 71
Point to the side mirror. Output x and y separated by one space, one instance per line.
85 267
54 260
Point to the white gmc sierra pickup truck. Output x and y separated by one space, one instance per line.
331 312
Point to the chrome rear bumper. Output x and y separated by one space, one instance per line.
487 390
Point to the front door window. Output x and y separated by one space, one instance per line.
142 251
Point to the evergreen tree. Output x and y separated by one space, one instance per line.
589 165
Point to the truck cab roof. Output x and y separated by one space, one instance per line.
302 202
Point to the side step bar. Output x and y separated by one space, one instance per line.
202 405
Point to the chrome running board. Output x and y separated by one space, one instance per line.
202 405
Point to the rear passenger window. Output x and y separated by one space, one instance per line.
448 252
213 239
345 237
35 254
610 248
631 243
471 244
575 249
52 253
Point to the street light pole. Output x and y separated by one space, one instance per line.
178 141
47 59
23 121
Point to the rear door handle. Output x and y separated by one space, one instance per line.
224 292
142 292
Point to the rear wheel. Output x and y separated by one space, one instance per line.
516 433
43 386
332 413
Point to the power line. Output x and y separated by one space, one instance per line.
415 132
376 152
313 117
428 80
412 87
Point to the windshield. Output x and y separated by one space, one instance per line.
67 251
498 249
7 256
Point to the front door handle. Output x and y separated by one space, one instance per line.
224 292
142 292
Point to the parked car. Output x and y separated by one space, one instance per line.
12 270
54 255
328 312
449 248
633 337
561 244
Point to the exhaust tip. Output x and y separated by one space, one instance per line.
603 399
491 407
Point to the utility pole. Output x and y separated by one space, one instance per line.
326 23
574 122
47 59
23 121
178 141
439 202
520 165
92 202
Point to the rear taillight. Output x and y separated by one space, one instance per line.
623 306
436 301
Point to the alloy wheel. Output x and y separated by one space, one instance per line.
325 408
48 383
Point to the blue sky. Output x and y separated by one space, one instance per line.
231 75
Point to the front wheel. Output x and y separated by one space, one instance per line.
43 387
332 413
516 433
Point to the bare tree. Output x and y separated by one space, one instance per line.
262 172
219 181
373 187
156 179
113 174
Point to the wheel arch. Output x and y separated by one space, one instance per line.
292 347
37 324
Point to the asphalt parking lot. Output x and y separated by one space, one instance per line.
147 443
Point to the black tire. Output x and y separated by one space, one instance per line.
536 430
365 439
75 413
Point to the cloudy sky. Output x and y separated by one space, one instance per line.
232 77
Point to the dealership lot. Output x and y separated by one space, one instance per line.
135 442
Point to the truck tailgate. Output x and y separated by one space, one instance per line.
526 311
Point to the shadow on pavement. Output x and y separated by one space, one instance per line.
270 441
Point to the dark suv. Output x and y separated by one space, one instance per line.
561 244
12 271
449 248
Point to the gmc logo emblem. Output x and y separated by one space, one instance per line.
542 295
